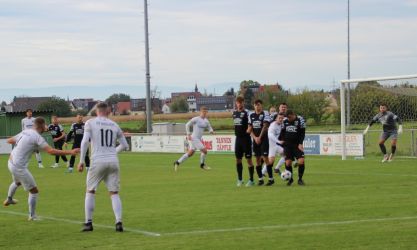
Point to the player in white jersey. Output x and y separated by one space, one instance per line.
275 146
27 123
198 124
103 134
25 143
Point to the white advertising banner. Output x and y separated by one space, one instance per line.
219 143
158 144
5 148
331 144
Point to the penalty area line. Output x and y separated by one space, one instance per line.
313 224
138 231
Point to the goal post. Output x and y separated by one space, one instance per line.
394 85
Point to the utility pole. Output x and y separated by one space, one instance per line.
148 74
348 67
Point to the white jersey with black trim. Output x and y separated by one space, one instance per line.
103 134
198 125
27 142
27 123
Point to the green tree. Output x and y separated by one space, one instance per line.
309 104
272 96
59 106
179 105
248 96
115 98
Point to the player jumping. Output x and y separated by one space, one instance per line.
25 143
389 122
27 123
103 134
293 134
198 124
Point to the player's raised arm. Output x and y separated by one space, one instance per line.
375 119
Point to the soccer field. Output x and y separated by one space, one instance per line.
358 204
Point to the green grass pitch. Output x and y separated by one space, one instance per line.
353 204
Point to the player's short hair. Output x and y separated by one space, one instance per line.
283 103
203 108
383 104
29 109
257 101
290 112
102 106
39 122
240 99
282 113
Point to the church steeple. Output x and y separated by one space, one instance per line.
196 88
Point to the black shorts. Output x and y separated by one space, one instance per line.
292 151
243 147
261 149
59 144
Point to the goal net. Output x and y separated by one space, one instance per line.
359 103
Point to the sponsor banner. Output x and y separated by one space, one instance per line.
312 145
331 144
219 143
5 148
158 144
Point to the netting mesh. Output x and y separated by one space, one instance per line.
399 95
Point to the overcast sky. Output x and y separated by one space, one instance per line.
55 43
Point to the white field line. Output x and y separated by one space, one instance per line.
314 224
363 174
138 231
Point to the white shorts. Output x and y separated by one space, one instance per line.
104 171
275 149
22 176
196 144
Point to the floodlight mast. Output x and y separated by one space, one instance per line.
148 73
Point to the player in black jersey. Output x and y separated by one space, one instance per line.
258 127
58 136
243 143
77 130
293 134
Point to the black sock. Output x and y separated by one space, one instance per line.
383 148
259 171
251 172
301 168
393 149
269 170
239 168
289 168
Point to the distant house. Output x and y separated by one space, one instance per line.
166 109
21 104
82 103
139 105
122 108
216 103
191 98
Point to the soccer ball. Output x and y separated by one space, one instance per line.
286 175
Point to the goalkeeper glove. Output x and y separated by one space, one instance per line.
366 130
400 129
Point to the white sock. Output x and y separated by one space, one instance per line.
183 158
202 158
12 190
280 163
38 157
32 198
117 207
89 206
264 171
